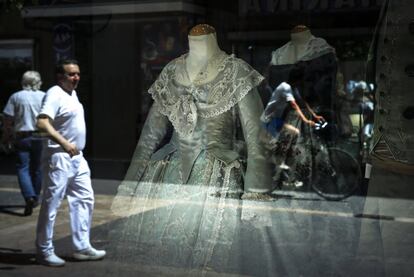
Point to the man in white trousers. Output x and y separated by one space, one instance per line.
65 171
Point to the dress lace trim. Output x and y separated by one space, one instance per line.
315 48
234 80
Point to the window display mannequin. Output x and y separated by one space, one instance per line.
321 66
194 90
175 194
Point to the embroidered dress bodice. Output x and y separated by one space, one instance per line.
203 115
178 96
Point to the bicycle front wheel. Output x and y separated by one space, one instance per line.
337 176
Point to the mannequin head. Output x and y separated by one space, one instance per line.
300 34
201 29
299 29
202 41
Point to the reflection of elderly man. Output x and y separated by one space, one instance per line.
20 114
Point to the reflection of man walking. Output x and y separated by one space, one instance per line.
65 169
21 112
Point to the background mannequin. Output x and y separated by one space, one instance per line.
303 46
318 60
294 50
321 68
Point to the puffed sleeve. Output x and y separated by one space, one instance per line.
258 177
153 132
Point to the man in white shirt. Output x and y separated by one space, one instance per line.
66 172
20 113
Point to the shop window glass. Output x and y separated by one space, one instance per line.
16 56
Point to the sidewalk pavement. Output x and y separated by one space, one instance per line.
330 232
17 232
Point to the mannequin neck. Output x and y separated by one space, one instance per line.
300 37
202 48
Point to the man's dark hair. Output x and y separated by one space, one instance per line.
297 73
61 63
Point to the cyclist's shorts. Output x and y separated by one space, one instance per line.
273 126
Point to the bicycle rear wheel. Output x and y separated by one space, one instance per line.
338 176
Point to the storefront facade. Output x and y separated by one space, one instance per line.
122 47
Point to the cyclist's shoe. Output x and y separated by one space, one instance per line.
298 184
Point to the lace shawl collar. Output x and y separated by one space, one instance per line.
234 80
315 48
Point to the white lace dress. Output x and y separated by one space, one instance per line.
182 200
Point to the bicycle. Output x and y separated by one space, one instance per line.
340 176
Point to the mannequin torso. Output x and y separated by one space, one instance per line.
295 50
303 46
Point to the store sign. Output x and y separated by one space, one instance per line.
260 7
62 41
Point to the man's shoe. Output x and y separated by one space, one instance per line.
50 260
36 202
89 254
30 203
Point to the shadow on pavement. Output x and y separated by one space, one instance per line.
9 209
15 257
